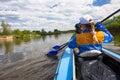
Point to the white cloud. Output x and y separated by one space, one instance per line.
52 14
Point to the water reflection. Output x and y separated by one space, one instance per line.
8 47
43 38
20 49
11 58
18 41
56 36
116 39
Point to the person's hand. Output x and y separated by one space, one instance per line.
100 26
76 50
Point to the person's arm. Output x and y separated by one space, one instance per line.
72 43
107 35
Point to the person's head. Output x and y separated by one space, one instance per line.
77 28
86 22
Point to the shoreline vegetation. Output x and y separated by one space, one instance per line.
16 34
7 34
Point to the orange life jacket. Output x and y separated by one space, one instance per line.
87 38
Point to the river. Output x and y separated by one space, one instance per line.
26 60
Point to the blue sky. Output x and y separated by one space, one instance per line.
53 14
101 2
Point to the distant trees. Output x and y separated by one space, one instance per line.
43 32
5 28
26 33
115 26
23 34
17 32
56 31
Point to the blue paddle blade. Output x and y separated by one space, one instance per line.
56 47
53 52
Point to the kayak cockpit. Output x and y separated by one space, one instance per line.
104 67
69 68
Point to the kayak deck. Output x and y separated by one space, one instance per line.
64 69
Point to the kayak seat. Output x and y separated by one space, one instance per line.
91 55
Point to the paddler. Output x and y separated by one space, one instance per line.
89 40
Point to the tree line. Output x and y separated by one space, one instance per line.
6 29
115 26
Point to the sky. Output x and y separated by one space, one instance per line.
53 14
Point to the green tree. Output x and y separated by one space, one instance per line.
43 32
56 31
26 32
115 26
17 33
6 28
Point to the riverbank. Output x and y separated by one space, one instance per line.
6 38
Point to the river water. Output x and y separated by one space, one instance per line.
26 60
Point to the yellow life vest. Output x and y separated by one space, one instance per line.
87 38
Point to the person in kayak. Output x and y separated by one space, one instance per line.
89 39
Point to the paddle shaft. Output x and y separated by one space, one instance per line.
111 15
64 44
62 47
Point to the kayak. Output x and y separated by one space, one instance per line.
66 69
65 66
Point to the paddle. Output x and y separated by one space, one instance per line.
110 15
58 48
55 51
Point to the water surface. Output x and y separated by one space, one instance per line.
26 59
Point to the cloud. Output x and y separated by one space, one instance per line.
53 14
5 0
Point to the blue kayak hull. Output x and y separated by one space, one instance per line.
65 69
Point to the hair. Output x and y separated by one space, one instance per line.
88 26
77 28
91 26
